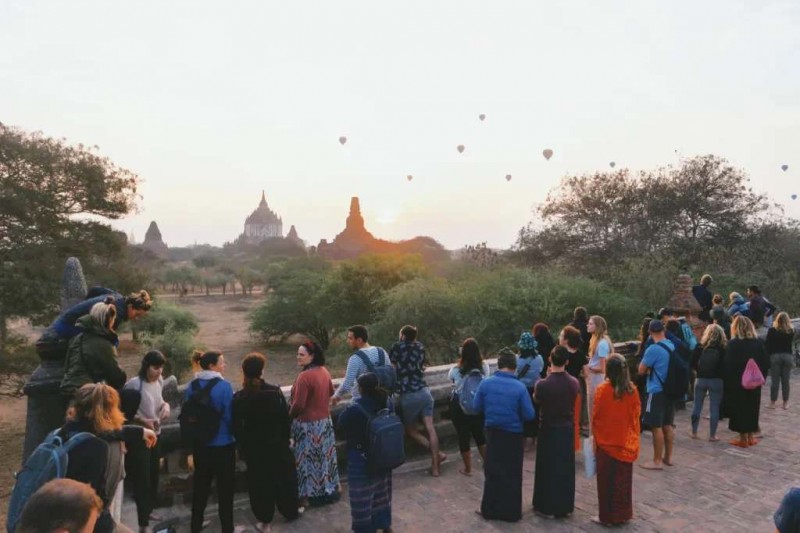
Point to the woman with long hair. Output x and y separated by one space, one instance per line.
370 492
779 349
312 429
545 344
743 405
615 427
708 360
467 426
640 380
99 460
600 347
261 425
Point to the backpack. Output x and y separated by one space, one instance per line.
688 335
48 461
385 446
199 420
387 375
676 383
752 378
467 390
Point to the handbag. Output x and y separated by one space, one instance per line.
752 378
589 461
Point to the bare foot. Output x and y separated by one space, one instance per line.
463 472
651 466
668 463
693 435
771 405
442 457
713 439
785 405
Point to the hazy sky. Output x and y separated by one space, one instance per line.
209 103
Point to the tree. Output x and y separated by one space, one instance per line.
47 187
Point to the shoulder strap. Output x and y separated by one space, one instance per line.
381 356
364 359
669 354
525 369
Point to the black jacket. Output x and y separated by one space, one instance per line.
261 421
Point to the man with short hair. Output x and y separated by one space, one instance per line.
761 309
506 405
358 340
217 458
416 401
704 297
61 506
659 412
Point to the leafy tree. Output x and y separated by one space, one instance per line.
47 188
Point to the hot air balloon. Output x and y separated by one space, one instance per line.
342 140
460 148
612 164
794 197
547 153
482 117
508 177
784 167
409 177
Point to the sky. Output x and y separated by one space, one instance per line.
210 103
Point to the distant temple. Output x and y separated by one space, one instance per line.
355 240
262 224
154 243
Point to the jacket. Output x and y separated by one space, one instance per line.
66 324
261 422
91 358
740 306
504 401
222 401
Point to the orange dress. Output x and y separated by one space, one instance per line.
615 423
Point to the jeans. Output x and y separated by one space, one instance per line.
779 372
713 386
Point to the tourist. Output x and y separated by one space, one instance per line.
570 338
216 459
92 354
708 360
761 309
719 314
312 429
779 342
615 427
370 492
704 297
659 410
100 461
743 405
600 347
580 321
61 506
416 401
737 305
261 425
787 516
529 368
142 463
195 360
673 331
554 480
640 380
506 405
468 426
358 340
544 341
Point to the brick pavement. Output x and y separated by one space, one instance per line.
712 487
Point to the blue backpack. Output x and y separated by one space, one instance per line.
48 461
387 375
467 390
688 335
385 440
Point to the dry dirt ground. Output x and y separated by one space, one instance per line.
223 325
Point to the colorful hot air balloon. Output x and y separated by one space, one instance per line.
612 164
784 167
547 153
508 177
482 117
460 148
342 140
409 177
794 197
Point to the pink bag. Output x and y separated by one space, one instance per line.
752 378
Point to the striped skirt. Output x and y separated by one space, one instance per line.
315 455
370 496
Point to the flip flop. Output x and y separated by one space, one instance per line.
738 443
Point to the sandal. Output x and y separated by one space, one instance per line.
739 443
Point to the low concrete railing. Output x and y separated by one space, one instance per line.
177 481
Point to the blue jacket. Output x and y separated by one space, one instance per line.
65 323
504 402
222 400
740 306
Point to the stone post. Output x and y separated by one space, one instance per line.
46 406
683 302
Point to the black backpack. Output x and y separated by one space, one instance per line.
199 420
385 442
387 375
676 383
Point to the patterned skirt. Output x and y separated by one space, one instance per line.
614 489
315 455
370 496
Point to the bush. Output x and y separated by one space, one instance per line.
18 362
163 315
176 345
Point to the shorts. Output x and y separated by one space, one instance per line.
659 411
414 404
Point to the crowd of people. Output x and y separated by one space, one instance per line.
552 395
